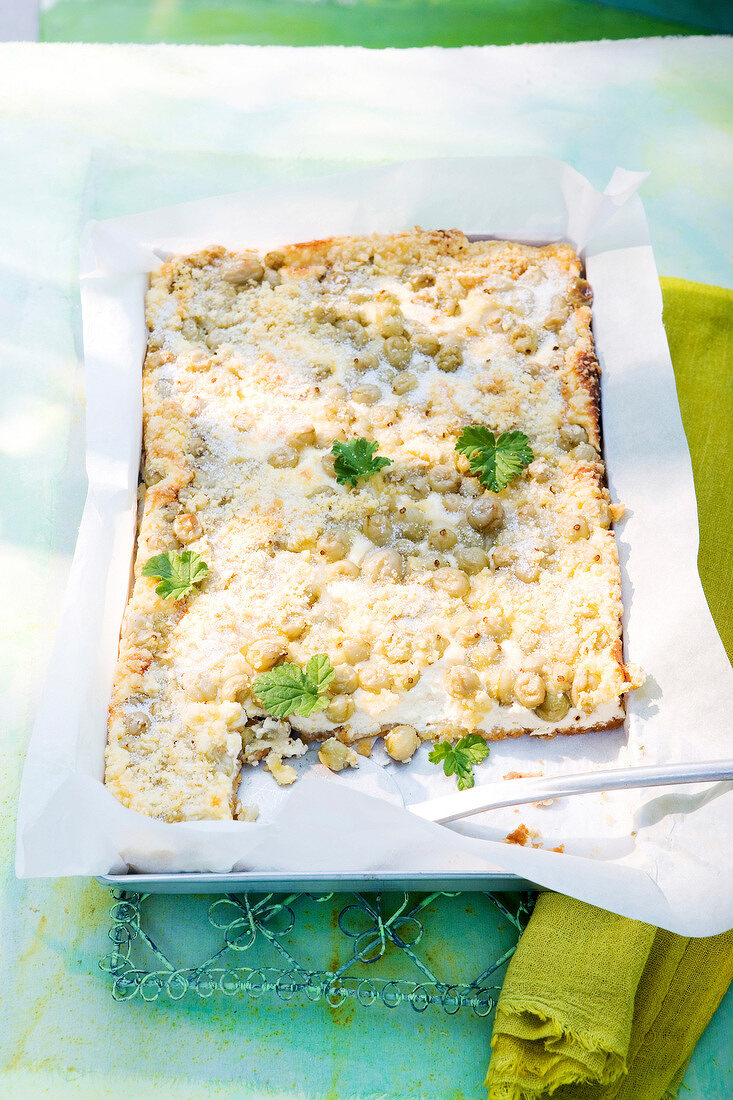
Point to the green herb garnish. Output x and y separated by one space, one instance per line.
460 758
177 573
356 459
287 689
496 460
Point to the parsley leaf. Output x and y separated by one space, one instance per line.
460 758
287 689
177 573
356 459
496 460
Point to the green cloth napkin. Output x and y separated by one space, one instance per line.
598 1007
699 324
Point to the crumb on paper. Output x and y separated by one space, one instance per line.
283 774
364 748
243 812
522 775
521 835
544 803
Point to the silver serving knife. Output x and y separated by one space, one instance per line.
516 792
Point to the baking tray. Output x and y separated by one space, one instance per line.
257 882
251 882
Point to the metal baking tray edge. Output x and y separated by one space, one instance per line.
245 882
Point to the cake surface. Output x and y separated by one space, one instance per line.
443 607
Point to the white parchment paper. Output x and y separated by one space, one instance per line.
660 857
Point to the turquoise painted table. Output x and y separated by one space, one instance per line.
101 131
374 22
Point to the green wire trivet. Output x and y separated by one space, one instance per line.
376 930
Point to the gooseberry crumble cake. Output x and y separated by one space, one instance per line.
373 504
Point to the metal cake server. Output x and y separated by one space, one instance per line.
515 792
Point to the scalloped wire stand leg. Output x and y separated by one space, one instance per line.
371 925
